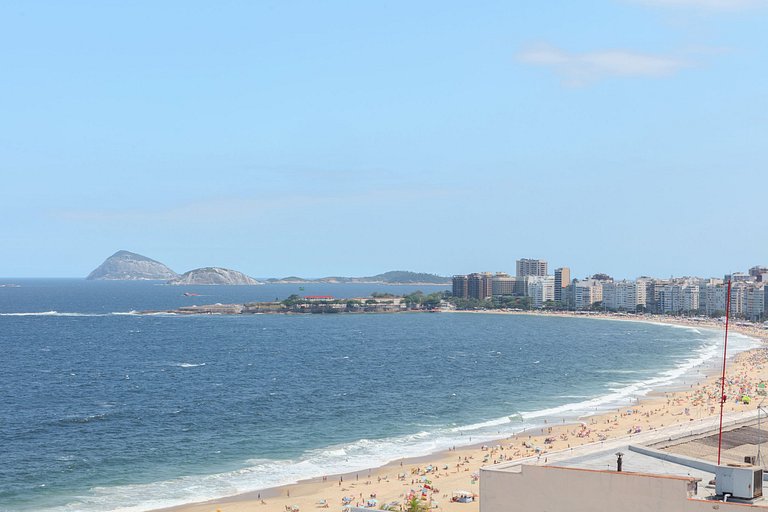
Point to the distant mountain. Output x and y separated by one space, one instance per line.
213 276
129 266
392 277
403 276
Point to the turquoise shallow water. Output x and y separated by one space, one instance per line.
103 410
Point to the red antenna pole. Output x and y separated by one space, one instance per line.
722 381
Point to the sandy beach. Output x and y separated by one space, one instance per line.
437 477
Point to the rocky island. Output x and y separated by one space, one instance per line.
129 266
213 276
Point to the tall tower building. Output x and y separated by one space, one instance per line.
480 285
460 287
526 267
562 280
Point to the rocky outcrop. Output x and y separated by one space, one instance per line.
213 275
129 266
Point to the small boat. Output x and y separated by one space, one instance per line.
190 294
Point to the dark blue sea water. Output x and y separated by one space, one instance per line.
102 410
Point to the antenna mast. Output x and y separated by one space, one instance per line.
722 380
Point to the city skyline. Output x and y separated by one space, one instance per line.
530 289
616 136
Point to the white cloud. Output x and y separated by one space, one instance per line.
584 68
720 5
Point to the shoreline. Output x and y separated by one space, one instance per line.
671 403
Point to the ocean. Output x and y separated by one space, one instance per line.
105 409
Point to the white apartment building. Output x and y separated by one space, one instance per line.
748 299
755 302
715 296
691 297
739 297
679 297
623 295
541 289
587 292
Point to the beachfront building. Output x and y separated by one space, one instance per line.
530 267
502 284
714 294
679 296
623 295
480 285
641 293
691 297
755 302
739 298
586 292
541 289
460 287
654 292
477 285
562 280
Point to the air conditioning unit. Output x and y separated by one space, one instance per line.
739 482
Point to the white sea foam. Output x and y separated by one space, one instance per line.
707 353
50 313
70 313
189 365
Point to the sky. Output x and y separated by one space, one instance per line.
281 138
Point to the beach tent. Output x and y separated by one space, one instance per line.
463 497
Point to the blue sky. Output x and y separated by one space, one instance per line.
350 138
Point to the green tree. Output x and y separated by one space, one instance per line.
292 300
416 505
432 300
414 299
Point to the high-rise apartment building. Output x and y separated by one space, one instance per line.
527 267
541 289
562 280
755 302
502 284
622 295
460 287
586 292
480 285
